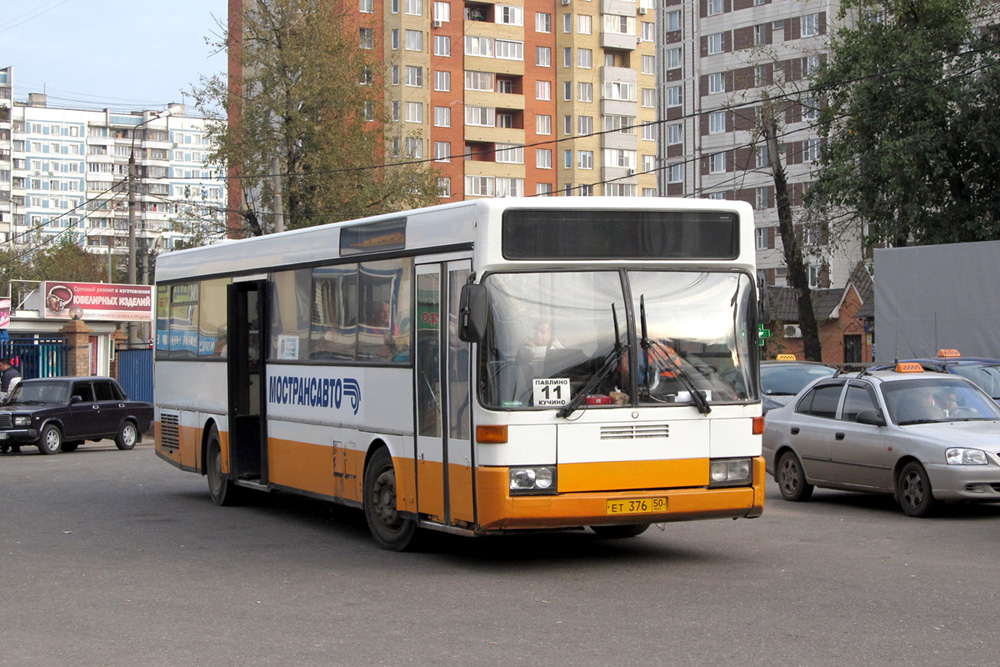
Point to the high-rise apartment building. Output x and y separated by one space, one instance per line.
64 174
517 97
715 59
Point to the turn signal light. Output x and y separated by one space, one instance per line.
758 425
491 434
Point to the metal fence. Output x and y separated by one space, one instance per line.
39 358
135 373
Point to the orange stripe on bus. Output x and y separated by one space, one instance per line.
430 476
620 475
460 493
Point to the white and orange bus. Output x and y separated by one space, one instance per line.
481 367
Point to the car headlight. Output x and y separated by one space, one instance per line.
960 456
22 421
535 479
730 472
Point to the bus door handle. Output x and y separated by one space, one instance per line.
838 436
795 430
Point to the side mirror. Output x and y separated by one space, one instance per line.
472 313
763 304
871 418
76 398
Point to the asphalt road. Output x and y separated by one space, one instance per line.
116 558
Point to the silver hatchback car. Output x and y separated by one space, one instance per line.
923 437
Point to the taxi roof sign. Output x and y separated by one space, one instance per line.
909 367
948 353
785 357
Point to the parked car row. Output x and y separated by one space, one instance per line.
919 430
60 414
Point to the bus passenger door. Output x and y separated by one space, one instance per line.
247 398
444 445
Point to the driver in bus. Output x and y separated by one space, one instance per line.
531 354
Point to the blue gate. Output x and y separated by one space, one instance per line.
135 373
39 358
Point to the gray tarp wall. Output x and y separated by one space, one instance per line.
937 296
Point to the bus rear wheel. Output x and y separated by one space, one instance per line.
614 532
390 530
220 487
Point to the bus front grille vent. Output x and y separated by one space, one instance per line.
170 431
635 431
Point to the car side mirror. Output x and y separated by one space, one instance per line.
870 417
76 398
472 313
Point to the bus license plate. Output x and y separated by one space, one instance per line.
637 506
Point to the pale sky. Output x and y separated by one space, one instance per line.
109 53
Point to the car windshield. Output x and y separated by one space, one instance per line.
551 332
781 380
986 376
929 400
43 392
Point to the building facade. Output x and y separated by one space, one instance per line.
68 176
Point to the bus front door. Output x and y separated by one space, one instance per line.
444 459
247 398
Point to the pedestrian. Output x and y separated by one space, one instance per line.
10 377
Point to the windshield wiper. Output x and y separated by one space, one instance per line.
609 363
665 353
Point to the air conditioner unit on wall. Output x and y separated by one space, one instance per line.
643 10
566 2
793 331
436 23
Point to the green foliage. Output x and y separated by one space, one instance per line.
911 145
64 261
301 99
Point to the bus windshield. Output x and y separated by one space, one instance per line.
550 332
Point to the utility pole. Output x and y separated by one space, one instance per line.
132 338
279 215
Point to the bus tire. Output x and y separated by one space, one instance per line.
222 489
615 532
390 530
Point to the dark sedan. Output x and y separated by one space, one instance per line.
60 414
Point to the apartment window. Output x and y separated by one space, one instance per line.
368 111
760 75
568 159
480 116
672 20
619 124
509 50
567 57
444 187
717 122
395 111
762 157
442 116
478 80
649 131
414 76
366 6
543 124
717 163
649 64
415 7
585 125
617 157
716 43
810 108
585 159
510 153
815 277
543 158
543 22
442 45
478 46
619 90
442 151
675 173
505 120
585 190
675 134
414 148
567 91
414 40
479 186
414 112
648 163
510 187
367 38
394 75
442 11
810 66
543 56
649 98
672 59
567 124
716 83
543 189
622 25
810 25
567 23
585 92
649 192
584 58
716 7
762 200
762 235
442 81
509 15
584 24
543 90
675 96
619 189
717 195
648 31
505 86
810 150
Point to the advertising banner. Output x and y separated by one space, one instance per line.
98 301
4 313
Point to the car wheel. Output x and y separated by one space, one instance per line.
913 491
389 529
127 436
70 446
791 478
615 532
50 440
222 489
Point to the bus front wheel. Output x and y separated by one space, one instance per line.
389 529
220 487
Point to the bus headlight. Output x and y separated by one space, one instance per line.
730 472
535 479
